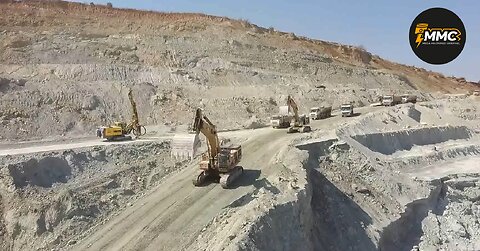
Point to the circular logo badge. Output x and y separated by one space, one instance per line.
437 36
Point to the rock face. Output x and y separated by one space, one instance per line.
54 209
69 74
90 102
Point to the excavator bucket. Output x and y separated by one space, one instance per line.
284 110
184 146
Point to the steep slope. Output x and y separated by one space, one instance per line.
65 68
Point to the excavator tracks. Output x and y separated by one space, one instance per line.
301 129
227 179
201 179
306 129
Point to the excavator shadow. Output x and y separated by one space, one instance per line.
259 183
207 182
248 178
264 183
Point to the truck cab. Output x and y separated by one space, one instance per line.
314 113
280 121
391 100
387 100
320 112
346 110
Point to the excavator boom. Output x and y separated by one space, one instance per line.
291 103
202 124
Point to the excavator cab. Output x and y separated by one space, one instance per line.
304 119
229 156
223 158
122 125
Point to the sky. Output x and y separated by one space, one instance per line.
379 26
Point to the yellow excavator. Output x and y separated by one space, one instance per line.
121 130
219 163
299 123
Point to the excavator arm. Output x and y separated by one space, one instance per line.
203 125
291 103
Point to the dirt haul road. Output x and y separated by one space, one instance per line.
28 147
174 214
58 147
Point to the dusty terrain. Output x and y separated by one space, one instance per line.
390 178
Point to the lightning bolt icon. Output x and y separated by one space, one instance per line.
419 39
419 30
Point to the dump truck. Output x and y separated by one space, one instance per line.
391 100
282 119
408 98
346 110
320 112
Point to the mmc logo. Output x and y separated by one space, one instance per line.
437 36
429 35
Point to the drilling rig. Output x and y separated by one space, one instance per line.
121 130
